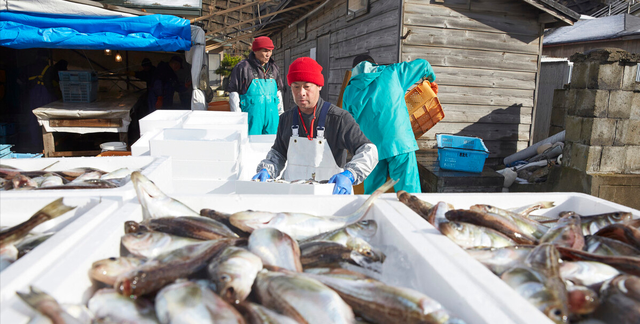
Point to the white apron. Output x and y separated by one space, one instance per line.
310 159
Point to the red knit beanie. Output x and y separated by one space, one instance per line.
262 42
305 69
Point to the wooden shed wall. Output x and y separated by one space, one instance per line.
375 33
485 54
566 50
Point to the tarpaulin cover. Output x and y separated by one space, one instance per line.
143 33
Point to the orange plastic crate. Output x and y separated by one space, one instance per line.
424 108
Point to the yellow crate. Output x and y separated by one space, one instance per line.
424 108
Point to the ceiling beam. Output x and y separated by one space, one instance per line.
241 37
222 12
263 16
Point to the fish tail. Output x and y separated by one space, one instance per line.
54 209
48 212
359 214
34 297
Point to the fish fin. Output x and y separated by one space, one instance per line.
35 297
55 209
542 219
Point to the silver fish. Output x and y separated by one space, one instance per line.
275 248
154 202
151 244
107 270
48 212
300 226
51 180
587 273
528 209
566 232
499 260
233 273
472 236
110 307
620 298
188 302
47 306
302 298
582 300
593 223
258 314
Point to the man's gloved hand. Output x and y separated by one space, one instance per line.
344 183
434 87
262 176
159 102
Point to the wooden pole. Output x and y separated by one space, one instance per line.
221 12
345 82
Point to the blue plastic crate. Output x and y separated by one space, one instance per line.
4 149
26 155
460 153
73 91
78 76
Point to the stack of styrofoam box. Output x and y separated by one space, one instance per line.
157 169
152 124
413 260
206 151
502 295
69 228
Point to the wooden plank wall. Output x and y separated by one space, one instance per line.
375 33
485 54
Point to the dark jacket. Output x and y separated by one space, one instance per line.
247 70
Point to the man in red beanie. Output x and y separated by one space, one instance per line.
255 88
314 137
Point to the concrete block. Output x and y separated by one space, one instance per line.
632 164
583 75
558 116
591 103
620 104
571 101
585 157
634 114
598 131
566 153
613 159
609 76
627 133
629 78
573 126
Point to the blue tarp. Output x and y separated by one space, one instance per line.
142 33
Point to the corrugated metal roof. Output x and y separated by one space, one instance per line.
594 29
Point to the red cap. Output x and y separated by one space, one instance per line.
305 69
262 42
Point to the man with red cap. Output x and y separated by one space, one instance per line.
254 88
314 137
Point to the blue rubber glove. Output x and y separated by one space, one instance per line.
263 175
344 183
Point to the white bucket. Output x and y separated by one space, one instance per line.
113 146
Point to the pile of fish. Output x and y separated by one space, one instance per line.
77 178
181 266
18 240
573 268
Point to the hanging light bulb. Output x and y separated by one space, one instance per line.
107 52
118 57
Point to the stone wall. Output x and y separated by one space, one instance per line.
600 110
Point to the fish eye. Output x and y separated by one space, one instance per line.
112 259
225 278
556 314
616 215
368 253
364 222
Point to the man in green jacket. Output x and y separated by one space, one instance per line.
375 98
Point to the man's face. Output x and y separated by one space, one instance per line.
305 94
175 66
263 55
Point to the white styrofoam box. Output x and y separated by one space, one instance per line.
206 169
510 302
199 186
196 144
161 119
412 261
69 228
218 120
254 150
157 169
141 146
277 188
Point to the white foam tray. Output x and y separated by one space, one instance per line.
200 186
197 144
161 119
275 188
412 260
157 169
141 146
69 228
508 300
205 169
207 118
